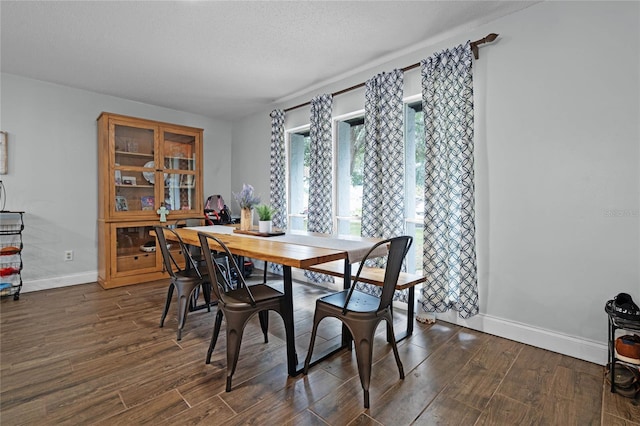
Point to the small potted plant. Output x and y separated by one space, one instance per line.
265 214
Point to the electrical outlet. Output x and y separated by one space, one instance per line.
68 255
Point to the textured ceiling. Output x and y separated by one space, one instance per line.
221 59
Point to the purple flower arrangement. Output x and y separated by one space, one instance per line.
245 198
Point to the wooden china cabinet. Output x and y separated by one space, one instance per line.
143 166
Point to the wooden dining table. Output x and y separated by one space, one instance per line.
293 250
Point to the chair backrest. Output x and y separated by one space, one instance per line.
191 221
221 279
170 263
398 249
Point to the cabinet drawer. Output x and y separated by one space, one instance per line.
139 261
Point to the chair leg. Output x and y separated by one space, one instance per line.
363 342
263 316
193 300
206 291
184 296
214 336
166 304
316 320
394 345
235 329
234 338
389 328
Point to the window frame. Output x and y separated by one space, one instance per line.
291 216
336 160
411 222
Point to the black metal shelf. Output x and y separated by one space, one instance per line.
11 227
617 323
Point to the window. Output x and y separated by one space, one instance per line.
349 171
298 179
415 149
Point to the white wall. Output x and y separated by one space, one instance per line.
557 168
53 176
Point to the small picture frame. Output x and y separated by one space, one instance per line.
121 204
118 177
147 202
129 180
3 153
187 181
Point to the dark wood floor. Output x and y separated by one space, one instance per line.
83 355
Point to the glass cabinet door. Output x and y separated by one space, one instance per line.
135 249
134 169
180 165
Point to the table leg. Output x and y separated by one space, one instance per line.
346 334
292 356
410 311
240 261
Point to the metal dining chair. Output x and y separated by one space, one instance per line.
186 280
361 312
238 303
194 252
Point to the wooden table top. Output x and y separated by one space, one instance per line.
283 253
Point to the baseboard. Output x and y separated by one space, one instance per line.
576 347
64 281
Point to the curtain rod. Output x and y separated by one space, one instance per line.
474 48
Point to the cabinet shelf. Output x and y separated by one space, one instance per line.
180 158
134 154
119 185
178 187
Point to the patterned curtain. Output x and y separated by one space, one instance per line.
449 228
277 190
320 173
383 180
277 196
